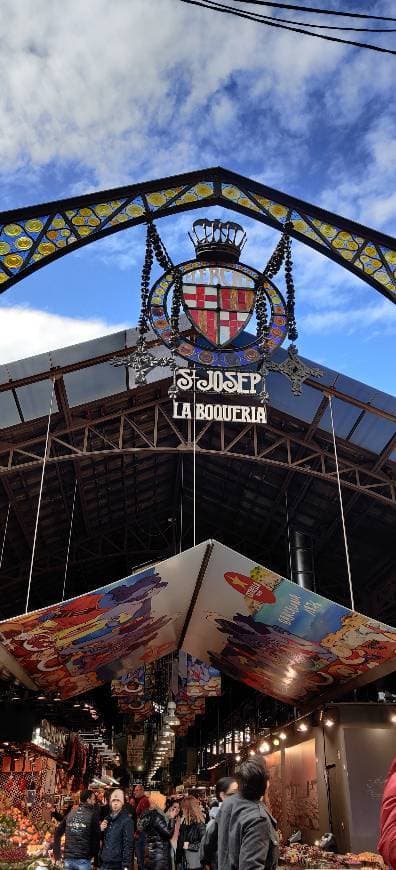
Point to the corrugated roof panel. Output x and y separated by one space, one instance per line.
88 349
95 382
344 415
373 433
25 368
9 415
35 399
366 393
303 407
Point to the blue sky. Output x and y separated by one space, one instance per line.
108 94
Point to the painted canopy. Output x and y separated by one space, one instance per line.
247 621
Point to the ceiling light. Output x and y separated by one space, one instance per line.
276 741
265 747
41 697
282 736
393 718
57 697
252 752
330 722
237 758
302 726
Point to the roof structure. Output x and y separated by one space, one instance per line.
116 453
36 235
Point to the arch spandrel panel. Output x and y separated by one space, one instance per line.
34 236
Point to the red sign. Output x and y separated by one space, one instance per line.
250 588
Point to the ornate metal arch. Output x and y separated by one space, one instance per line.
34 236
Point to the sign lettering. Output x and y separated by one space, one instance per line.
218 382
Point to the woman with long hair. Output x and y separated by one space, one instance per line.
161 831
191 832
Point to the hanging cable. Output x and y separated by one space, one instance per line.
68 543
299 8
265 19
194 466
270 22
181 504
341 506
5 534
338 27
40 496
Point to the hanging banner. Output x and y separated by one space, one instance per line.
135 751
247 622
203 681
130 687
282 640
76 645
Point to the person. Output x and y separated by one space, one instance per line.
387 843
247 837
192 830
82 834
225 787
161 833
172 812
141 805
117 848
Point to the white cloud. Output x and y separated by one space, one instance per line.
114 87
27 331
351 321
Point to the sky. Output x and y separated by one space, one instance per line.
104 95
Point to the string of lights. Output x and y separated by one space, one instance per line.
214 6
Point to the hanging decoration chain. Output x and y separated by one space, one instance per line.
155 247
282 254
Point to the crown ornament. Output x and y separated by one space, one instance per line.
213 239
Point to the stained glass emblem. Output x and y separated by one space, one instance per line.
219 312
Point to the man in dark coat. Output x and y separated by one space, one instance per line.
141 806
117 849
247 838
225 788
82 834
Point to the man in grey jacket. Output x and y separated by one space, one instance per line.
247 838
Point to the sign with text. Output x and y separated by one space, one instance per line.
216 383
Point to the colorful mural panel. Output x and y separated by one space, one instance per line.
203 681
79 644
278 638
247 621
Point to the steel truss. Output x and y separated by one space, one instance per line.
151 430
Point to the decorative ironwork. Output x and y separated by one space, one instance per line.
294 368
34 236
142 361
218 239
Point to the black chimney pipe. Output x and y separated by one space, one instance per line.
302 560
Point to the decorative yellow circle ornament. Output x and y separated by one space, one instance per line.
34 226
12 229
13 261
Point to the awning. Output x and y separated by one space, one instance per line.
219 607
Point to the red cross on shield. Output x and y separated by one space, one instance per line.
218 313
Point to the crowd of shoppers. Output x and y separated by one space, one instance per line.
237 832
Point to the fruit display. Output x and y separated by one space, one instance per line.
302 855
22 843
